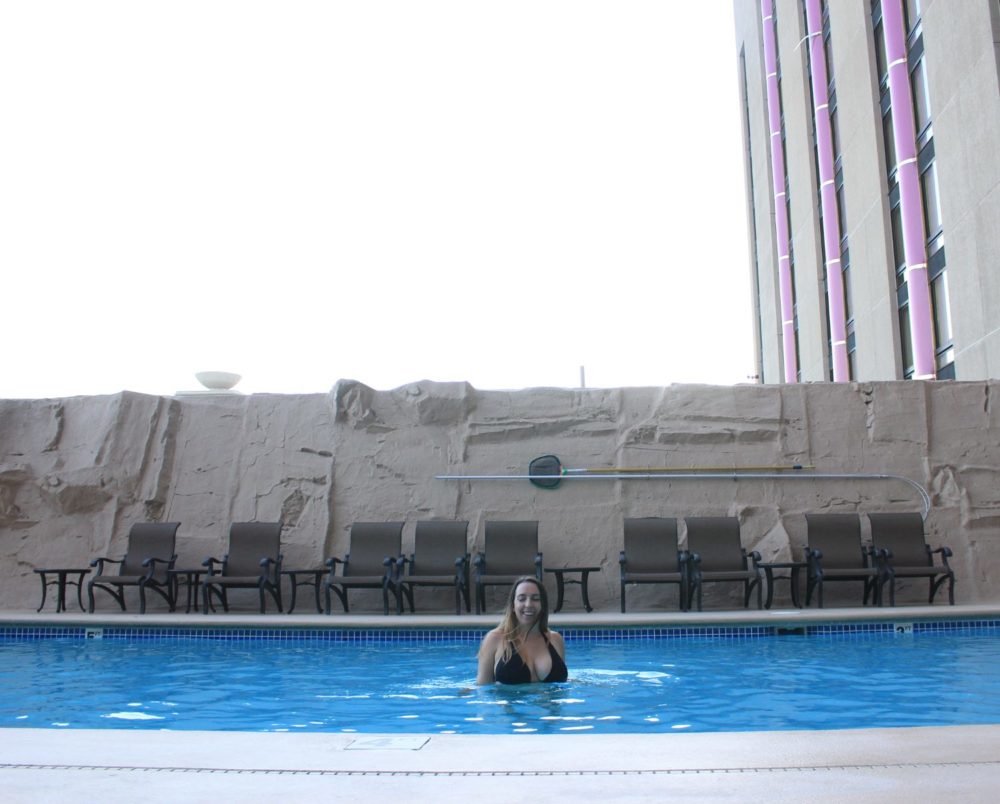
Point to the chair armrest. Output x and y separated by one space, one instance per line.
150 564
100 562
945 555
209 564
814 563
478 566
754 557
332 563
267 563
690 565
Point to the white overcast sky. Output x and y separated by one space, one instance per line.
497 192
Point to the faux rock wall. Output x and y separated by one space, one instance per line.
75 473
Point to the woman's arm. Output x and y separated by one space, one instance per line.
487 658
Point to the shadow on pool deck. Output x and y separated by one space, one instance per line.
912 764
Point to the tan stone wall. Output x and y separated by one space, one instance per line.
76 473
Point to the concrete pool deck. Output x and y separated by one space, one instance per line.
911 764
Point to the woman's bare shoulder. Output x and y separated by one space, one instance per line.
492 638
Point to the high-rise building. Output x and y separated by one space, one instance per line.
872 155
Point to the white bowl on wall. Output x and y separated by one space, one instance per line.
218 380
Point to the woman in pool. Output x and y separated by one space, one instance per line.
522 649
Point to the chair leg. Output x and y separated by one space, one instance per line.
163 590
267 586
119 595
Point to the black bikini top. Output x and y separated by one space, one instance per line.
515 671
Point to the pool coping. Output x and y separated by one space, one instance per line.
907 764
786 617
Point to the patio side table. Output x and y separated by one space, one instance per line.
61 581
561 581
305 577
794 568
191 578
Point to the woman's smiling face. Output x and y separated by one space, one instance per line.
527 602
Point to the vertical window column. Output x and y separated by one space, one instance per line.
828 191
911 205
785 289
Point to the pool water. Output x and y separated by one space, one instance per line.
631 686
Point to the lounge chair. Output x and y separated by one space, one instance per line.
511 552
253 562
717 556
148 557
834 553
440 558
651 555
370 563
902 552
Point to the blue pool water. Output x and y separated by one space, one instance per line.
700 684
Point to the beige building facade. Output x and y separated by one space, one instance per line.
952 75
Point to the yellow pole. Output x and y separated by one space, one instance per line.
669 469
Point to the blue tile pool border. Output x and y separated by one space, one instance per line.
394 635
